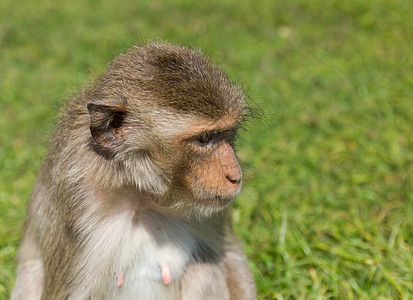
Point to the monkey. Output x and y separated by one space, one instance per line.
133 200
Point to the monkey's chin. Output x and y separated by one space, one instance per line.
219 201
196 206
211 205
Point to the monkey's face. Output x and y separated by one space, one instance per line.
211 173
188 160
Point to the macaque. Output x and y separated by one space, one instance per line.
133 198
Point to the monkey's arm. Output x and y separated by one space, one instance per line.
204 281
29 281
209 281
238 274
30 269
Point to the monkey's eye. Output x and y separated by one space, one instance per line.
230 134
204 139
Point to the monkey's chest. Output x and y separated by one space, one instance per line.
150 263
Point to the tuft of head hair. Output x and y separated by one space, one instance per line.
171 76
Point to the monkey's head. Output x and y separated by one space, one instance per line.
165 118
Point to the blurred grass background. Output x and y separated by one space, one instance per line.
328 211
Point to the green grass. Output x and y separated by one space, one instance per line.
328 210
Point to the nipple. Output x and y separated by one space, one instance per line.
165 274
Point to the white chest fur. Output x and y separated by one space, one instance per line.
130 254
163 251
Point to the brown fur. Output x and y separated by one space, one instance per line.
138 175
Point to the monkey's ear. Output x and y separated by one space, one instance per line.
106 123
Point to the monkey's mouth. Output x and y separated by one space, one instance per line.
218 201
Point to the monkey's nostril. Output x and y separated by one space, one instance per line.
234 181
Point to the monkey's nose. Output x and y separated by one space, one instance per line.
234 179
234 173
